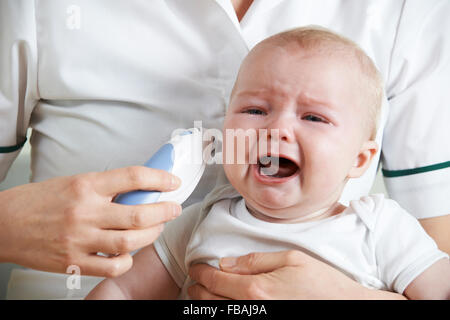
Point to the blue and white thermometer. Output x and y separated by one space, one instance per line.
181 156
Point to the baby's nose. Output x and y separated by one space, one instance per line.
281 130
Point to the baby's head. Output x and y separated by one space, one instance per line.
318 96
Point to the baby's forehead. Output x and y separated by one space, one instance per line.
287 60
327 51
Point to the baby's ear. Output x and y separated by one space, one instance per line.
366 153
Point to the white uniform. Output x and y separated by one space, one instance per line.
103 83
364 241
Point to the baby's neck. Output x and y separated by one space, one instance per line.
320 214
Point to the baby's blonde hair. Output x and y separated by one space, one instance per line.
322 40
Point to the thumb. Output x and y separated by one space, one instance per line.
261 262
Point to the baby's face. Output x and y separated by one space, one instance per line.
312 103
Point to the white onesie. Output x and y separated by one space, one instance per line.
374 241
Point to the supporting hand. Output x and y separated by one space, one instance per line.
277 275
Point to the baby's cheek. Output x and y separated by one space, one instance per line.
328 166
235 175
228 171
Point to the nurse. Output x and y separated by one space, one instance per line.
102 85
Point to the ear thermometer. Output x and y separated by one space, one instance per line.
182 156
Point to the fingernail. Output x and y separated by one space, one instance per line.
228 262
175 182
176 210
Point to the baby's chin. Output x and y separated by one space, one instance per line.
273 197
272 209
273 201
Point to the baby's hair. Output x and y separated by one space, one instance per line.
322 40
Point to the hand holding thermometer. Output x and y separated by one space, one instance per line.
183 157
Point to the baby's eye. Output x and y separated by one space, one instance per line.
314 118
257 112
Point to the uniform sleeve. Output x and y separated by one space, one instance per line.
172 243
18 77
403 250
416 141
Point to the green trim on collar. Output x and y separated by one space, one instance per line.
12 148
407 172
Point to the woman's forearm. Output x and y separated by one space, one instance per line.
439 229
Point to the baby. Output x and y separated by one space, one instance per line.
315 97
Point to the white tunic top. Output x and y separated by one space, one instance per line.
104 83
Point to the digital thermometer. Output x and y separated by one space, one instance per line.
183 157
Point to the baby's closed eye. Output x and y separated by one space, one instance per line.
314 118
255 111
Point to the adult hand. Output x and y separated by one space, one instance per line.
277 275
65 221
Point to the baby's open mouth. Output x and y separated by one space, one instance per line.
276 167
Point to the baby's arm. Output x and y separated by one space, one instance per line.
147 279
433 283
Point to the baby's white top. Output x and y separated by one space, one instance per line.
374 241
